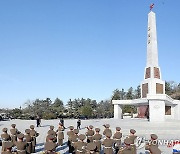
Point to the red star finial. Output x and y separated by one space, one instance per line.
151 6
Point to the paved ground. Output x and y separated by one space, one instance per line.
169 130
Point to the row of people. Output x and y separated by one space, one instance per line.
18 142
94 141
90 142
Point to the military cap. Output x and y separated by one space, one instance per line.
20 136
27 131
50 137
154 136
118 128
32 126
82 136
97 129
127 141
51 127
13 125
50 147
4 129
76 131
132 131
91 146
108 134
8 145
90 126
107 125
71 127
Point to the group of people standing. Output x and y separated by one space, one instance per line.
17 142
91 142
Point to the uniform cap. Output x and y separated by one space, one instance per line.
82 136
4 129
118 128
27 131
97 129
8 145
13 125
91 127
107 125
71 127
91 146
127 141
108 134
32 126
154 136
20 136
51 127
132 131
76 131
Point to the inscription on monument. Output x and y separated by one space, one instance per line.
144 90
159 88
156 73
148 73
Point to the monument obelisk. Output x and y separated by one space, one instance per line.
158 105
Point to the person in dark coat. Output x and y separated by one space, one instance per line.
78 124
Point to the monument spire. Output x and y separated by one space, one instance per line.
152 50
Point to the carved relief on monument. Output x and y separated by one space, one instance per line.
159 88
148 73
156 73
167 110
144 90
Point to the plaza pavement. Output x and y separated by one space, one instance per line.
165 130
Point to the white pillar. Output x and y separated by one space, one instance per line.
117 111
156 111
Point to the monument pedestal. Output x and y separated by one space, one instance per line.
156 111
117 111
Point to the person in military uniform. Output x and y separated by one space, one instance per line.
117 139
28 140
74 139
33 134
8 147
128 149
152 144
70 133
91 148
20 144
108 143
80 145
132 137
5 138
97 139
52 132
14 131
60 134
107 129
50 146
89 134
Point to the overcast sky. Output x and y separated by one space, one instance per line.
81 48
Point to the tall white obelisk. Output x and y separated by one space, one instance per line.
152 85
